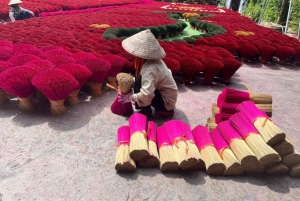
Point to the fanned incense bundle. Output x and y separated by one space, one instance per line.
284 148
193 150
213 162
277 168
264 153
168 160
17 81
211 126
233 166
153 159
4 66
291 159
238 145
138 137
123 161
295 171
177 134
268 130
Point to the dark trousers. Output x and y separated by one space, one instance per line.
157 102
23 15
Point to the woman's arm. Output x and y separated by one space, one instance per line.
11 15
23 9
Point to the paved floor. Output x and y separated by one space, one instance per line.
72 157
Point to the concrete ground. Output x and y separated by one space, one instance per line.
71 157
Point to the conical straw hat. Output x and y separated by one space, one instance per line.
14 2
144 45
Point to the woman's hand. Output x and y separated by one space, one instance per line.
125 98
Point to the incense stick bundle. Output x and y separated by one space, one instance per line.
3 97
125 82
138 137
239 147
215 109
211 126
176 132
153 159
295 171
213 162
168 160
264 153
233 166
271 133
193 150
291 159
211 120
222 117
284 148
278 168
123 161
259 169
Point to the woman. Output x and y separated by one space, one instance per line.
18 13
154 84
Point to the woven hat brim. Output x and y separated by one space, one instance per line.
14 2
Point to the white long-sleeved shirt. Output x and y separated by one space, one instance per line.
13 13
156 75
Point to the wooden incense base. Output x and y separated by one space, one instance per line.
150 161
125 167
291 159
295 171
278 168
72 99
284 148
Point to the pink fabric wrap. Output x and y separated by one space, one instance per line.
151 131
251 111
228 132
202 137
175 129
218 140
162 137
137 123
123 135
242 125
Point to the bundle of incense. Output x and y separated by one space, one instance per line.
138 137
153 159
271 133
176 132
222 117
231 108
211 126
193 150
259 169
277 168
284 148
291 159
215 109
295 171
239 147
211 120
213 162
168 160
233 166
264 153
123 160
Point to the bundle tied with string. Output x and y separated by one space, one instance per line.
123 161
277 168
3 96
264 153
271 133
56 85
193 149
17 81
81 74
239 147
291 159
177 134
233 166
125 82
168 160
284 148
213 162
153 159
138 137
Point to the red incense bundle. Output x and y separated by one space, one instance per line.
264 153
138 137
239 147
231 65
17 81
4 66
168 160
56 85
123 161
233 166
176 132
153 159
40 64
268 130
81 74
189 68
211 67
266 52
213 162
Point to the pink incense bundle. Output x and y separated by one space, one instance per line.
117 64
153 159
40 64
233 166
56 85
3 96
177 134
123 161
99 68
168 160
264 153
268 130
213 162
17 81
138 137
81 74
222 117
239 147
21 59
81 57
